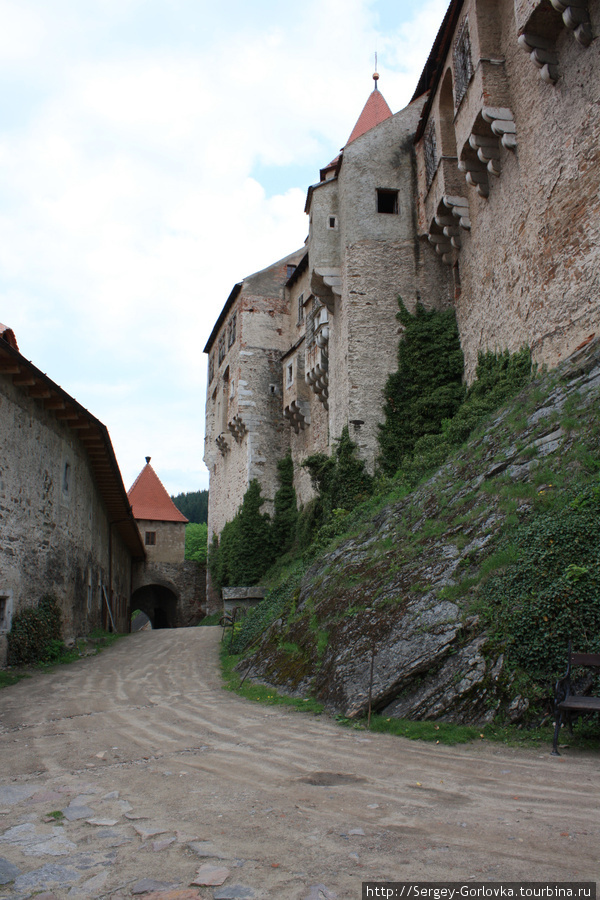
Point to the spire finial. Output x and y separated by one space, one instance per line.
148 458
375 73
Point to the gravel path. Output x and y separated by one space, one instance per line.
158 778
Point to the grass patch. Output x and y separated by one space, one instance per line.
259 692
56 814
586 734
8 678
213 619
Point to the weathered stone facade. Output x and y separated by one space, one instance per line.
246 432
66 527
482 194
511 198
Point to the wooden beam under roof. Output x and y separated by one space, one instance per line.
24 380
39 391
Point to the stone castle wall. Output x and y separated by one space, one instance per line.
528 265
498 214
55 533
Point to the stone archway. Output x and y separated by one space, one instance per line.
158 602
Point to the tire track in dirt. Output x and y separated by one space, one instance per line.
148 718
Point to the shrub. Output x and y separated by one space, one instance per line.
35 633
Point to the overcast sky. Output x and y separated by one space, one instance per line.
152 154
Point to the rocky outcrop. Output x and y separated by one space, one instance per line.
391 614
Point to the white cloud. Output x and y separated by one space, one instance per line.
128 205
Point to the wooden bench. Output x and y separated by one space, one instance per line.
568 705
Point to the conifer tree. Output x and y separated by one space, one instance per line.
251 553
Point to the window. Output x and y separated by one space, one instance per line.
290 270
331 222
66 478
300 309
290 375
211 367
222 350
387 201
462 63
231 330
5 617
430 150
150 538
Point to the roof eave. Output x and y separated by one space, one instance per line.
224 312
92 434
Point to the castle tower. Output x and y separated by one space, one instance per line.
161 524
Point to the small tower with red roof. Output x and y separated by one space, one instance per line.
161 525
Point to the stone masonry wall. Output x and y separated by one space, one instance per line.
249 380
169 537
54 530
530 264
382 261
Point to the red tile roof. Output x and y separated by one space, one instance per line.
375 111
149 498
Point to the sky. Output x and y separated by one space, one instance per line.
152 154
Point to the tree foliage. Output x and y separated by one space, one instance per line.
196 538
193 505
427 386
244 550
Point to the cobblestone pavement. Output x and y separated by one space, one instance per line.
134 773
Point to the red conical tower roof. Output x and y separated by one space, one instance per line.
149 498
375 111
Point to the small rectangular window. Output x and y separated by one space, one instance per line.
332 222
222 349
150 538
290 270
211 367
67 478
387 201
290 375
3 613
300 309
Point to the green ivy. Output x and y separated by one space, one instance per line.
285 514
340 480
427 386
551 593
498 378
35 633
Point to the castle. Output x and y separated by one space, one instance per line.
482 195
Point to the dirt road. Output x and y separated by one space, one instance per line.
153 773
